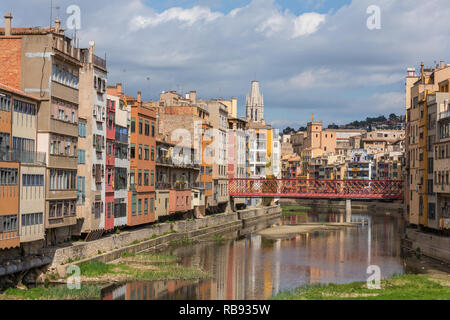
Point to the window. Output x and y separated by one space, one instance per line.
133 204
153 129
81 192
140 177
32 180
152 204
146 177
152 178
8 223
145 206
140 206
132 177
153 153
140 152
81 156
132 151
21 107
31 219
5 103
133 125
8 176
146 153
82 129
147 128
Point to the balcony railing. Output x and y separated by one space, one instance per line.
177 186
22 156
179 164
444 114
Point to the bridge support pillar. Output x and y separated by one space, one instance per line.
348 210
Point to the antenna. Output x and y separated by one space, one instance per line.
51 12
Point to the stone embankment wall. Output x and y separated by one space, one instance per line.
111 248
433 246
356 204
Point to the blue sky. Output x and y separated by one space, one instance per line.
311 56
225 6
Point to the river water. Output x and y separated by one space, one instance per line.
249 266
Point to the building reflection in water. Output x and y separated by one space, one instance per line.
257 268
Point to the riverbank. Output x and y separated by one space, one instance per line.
401 287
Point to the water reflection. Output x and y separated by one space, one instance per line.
254 267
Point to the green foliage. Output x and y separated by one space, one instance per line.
399 287
60 292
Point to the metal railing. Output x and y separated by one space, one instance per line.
444 114
22 156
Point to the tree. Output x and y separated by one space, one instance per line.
288 130
393 117
302 129
333 126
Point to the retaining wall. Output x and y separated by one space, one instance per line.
430 245
113 246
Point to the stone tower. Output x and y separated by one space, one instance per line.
255 104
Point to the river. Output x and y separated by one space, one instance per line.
252 267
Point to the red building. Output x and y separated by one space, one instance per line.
110 164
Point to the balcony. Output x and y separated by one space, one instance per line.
63 127
22 156
444 115
181 163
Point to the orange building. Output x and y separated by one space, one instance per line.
11 154
206 165
141 196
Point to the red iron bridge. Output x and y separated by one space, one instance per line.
318 189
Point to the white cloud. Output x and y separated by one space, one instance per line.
307 23
186 16
305 61
325 78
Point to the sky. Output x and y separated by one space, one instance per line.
311 57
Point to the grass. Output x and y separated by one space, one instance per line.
218 238
399 287
182 242
142 266
295 208
294 213
149 258
87 291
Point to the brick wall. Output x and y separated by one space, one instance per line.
10 57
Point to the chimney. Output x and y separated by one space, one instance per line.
8 20
139 97
91 51
441 65
193 96
119 87
422 74
234 107
57 25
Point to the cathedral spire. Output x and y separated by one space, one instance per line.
255 104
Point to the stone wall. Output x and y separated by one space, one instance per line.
184 228
431 245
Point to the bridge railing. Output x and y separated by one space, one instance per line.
313 188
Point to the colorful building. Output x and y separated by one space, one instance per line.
141 195
92 145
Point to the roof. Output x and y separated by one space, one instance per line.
17 92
